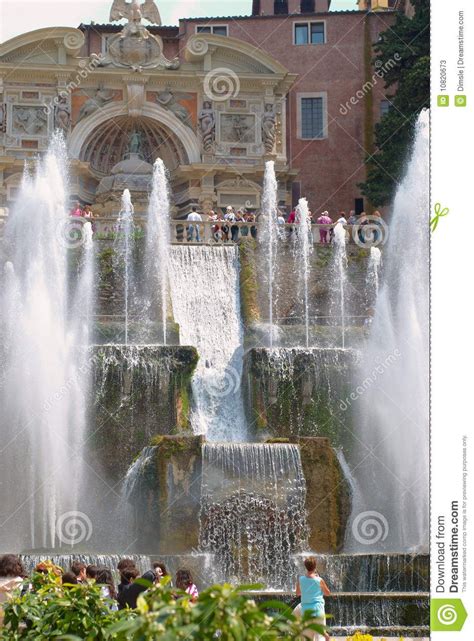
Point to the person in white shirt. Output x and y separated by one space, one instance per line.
193 216
342 219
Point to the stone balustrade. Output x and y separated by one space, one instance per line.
210 232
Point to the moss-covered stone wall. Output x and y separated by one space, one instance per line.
293 392
139 392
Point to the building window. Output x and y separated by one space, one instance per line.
385 106
310 33
312 118
359 206
215 29
307 6
280 7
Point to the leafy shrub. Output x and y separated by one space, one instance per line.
52 611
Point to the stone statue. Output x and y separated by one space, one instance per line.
135 11
102 97
62 114
3 118
207 126
135 47
269 128
168 100
135 143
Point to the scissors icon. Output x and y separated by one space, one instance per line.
439 213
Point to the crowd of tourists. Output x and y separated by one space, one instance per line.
121 595
232 225
310 587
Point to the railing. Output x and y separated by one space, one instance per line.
210 232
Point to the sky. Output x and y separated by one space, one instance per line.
19 16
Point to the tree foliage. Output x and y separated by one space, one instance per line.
407 43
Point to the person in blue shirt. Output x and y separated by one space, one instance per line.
312 589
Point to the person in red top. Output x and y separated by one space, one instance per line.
76 210
292 217
323 233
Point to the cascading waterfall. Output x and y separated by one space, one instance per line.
338 302
253 514
268 237
303 250
44 387
391 465
206 305
124 253
158 241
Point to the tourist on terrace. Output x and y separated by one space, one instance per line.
184 581
12 574
127 577
352 220
79 571
312 589
342 218
229 217
324 219
194 217
250 218
76 210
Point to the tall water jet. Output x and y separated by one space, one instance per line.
124 253
338 299
253 514
206 304
158 241
43 389
391 464
268 236
373 275
304 249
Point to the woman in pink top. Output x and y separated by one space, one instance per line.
76 210
184 581
324 220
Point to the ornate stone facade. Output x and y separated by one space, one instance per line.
213 107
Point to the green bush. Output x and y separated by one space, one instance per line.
53 611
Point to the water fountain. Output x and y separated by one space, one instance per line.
158 241
268 239
391 462
206 305
373 274
253 512
44 329
338 302
304 250
124 244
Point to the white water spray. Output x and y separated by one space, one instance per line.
158 240
206 305
268 236
124 252
304 249
391 467
43 391
338 300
